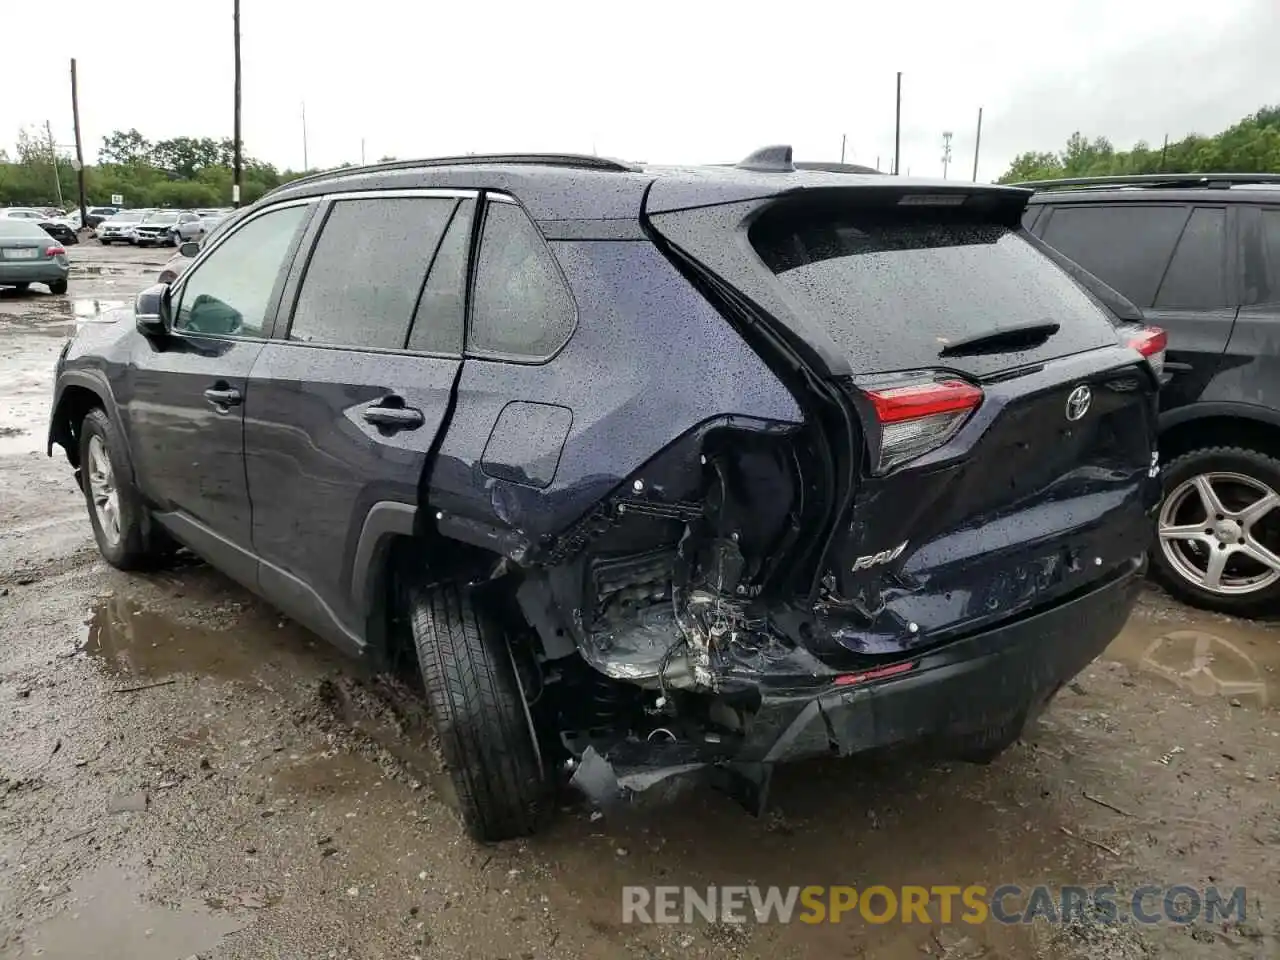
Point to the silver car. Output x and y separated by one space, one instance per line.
119 228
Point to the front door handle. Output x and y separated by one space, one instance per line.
395 418
223 396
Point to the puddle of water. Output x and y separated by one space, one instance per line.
1207 658
108 918
136 642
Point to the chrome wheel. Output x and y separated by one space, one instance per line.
102 490
1212 533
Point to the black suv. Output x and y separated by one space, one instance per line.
643 470
1199 254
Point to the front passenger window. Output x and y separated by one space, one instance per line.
229 293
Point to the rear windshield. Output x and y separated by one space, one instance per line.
895 289
22 229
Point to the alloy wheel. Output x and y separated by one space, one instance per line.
102 488
1212 533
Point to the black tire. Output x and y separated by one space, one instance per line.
139 545
58 287
105 242
486 734
1261 469
20 287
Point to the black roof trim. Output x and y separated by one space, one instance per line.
1175 180
574 160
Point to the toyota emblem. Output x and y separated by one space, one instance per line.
1078 402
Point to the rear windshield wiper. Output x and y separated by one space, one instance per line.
1004 340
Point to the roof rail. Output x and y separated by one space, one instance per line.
1209 180
580 161
833 167
775 159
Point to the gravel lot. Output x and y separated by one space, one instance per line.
185 773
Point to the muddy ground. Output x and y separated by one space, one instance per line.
185 773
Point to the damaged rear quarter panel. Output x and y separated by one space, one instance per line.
650 360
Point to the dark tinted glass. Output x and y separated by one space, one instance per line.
894 290
1196 278
438 322
367 269
229 293
522 308
1126 245
1271 246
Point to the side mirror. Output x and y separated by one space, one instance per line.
151 311
189 249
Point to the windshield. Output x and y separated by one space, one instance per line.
129 216
895 289
161 218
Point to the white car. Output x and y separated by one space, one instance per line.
119 228
22 213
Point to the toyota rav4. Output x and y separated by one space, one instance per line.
643 470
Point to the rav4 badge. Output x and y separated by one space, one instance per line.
876 559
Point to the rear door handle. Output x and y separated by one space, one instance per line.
222 396
396 418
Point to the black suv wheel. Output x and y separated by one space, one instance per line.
480 714
126 537
1219 530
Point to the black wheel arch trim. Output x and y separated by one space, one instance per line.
385 520
90 380
1218 408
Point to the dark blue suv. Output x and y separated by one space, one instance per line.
646 470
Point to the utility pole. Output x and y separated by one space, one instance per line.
53 159
1164 152
897 126
977 143
877 161
843 137
946 152
362 151
235 163
75 113
306 165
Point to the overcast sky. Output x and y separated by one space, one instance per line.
688 81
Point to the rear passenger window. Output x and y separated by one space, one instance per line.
522 309
438 322
1271 248
1196 278
367 271
1126 245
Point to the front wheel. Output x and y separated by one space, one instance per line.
126 538
1218 536
486 733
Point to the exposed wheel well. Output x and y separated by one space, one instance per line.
73 406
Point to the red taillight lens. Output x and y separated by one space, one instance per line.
55 252
1151 342
919 417
880 673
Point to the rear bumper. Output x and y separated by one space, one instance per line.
32 271
972 695
986 685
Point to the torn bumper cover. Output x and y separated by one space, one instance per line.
973 693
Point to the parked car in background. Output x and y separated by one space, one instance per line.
29 255
600 451
190 226
1199 254
60 230
119 227
23 213
95 215
155 229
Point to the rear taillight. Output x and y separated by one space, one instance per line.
1151 342
55 252
920 417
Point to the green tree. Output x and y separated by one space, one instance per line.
125 147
